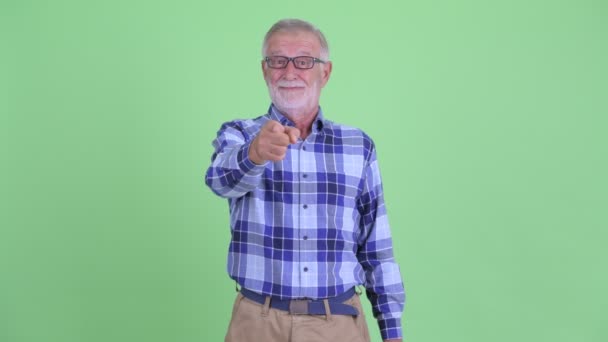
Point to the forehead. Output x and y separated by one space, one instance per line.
300 42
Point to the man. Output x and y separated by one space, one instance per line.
307 212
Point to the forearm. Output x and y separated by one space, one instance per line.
387 297
232 173
384 285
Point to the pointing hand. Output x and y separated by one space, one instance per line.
272 142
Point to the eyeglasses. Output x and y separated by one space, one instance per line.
300 62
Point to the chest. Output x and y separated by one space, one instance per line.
327 169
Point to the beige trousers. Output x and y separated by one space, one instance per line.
253 322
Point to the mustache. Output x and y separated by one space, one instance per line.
290 84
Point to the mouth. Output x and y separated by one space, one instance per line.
291 88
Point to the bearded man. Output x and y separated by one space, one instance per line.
308 220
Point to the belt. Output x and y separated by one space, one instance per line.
307 306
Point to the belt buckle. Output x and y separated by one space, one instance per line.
298 307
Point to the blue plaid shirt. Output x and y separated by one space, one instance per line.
312 225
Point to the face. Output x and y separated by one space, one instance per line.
295 91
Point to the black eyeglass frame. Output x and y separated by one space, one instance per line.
315 60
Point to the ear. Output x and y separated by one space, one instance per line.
326 70
264 71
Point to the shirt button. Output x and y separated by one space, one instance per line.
305 206
304 175
305 237
305 269
304 148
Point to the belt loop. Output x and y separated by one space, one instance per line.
327 310
266 306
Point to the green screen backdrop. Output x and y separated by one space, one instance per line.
490 124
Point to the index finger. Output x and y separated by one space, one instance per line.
293 133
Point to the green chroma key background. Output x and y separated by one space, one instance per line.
489 119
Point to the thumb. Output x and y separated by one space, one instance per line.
293 133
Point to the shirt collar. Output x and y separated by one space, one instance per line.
317 124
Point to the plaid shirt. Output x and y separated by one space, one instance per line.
312 225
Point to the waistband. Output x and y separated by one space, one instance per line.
307 306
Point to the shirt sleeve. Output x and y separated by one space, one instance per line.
384 286
231 173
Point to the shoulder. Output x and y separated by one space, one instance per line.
347 133
349 136
245 127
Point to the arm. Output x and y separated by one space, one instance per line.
238 161
232 173
384 286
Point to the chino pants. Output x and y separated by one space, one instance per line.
254 322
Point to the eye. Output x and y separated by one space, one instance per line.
278 61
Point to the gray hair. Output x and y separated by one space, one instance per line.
297 25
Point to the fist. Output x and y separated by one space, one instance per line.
272 142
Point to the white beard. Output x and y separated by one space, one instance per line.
297 103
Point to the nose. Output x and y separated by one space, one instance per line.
290 70
292 65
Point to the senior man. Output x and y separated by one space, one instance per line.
307 214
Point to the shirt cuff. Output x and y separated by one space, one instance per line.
390 328
246 164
